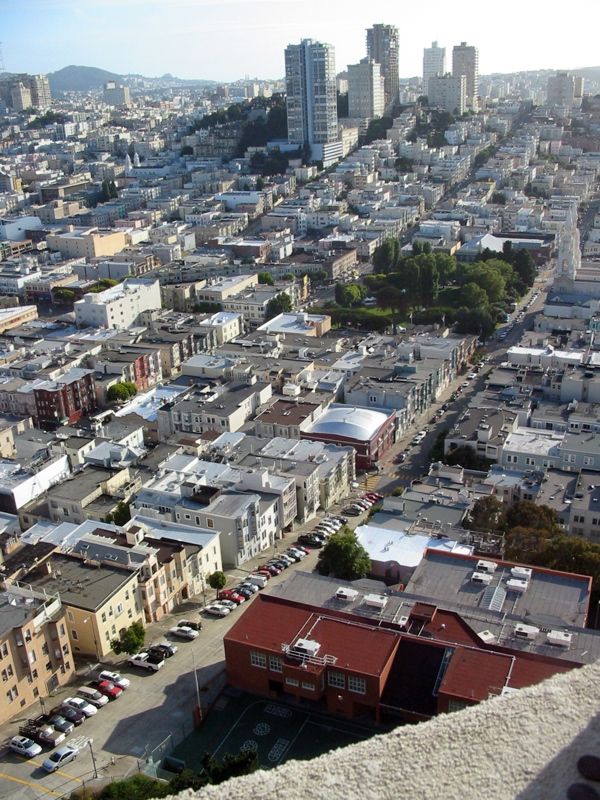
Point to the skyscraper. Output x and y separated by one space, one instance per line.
365 89
434 63
383 46
465 61
312 98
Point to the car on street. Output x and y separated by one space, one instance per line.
24 746
114 677
311 541
271 569
184 633
70 714
60 723
43 734
250 587
79 704
217 609
146 661
228 604
231 594
280 563
60 757
352 511
107 688
295 555
190 623
244 591
472 375
161 650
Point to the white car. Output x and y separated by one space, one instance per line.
61 757
24 746
114 677
79 704
184 632
217 610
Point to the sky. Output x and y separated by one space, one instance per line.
225 40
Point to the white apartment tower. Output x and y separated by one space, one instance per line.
448 92
366 98
383 46
434 63
465 61
565 90
312 97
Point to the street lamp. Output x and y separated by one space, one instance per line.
89 741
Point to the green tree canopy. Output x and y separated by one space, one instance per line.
121 392
446 267
349 295
526 514
217 580
488 279
120 515
473 296
343 557
266 278
466 457
488 515
279 304
384 256
130 639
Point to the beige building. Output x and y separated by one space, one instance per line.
88 243
35 653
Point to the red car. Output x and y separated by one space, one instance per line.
229 594
107 688
375 495
270 568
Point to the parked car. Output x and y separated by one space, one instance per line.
60 723
24 746
92 696
343 520
231 594
81 705
44 735
61 757
114 677
376 495
264 572
312 541
146 661
70 714
107 688
296 555
228 604
217 610
280 563
244 591
352 512
161 650
250 587
190 623
472 375
271 569
183 632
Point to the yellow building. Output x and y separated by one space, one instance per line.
35 652
90 242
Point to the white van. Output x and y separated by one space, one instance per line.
257 580
92 696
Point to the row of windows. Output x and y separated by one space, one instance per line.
334 679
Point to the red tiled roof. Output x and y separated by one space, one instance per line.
359 648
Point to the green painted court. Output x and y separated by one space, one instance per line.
278 732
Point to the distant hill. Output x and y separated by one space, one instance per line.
80 79
590 73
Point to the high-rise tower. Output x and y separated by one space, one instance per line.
465 61
383 45
434 63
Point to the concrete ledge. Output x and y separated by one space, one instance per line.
524 746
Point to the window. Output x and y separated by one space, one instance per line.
34 674
456 705
113 630
530 461
276 664
36 691
357 684
4 649
32 656
210 523
74 634
61 630
309 686
336 679
588 461
104 616
45 650
511 459
65 649
70 616
291 681
119 609
258 659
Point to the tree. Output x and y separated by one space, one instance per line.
349 295
63 296
525 267
186 150
384 257
428 281
279 304
488 279
473 296
130 639
466 457
120 515
475 320
266 278
343 557
105 192
217 581
437 449
446 267
260 184
488 514
526 514
121 392
395 300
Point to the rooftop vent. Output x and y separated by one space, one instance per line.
307 648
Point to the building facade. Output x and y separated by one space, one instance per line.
365 89
448 92
383 46
465 61
434 63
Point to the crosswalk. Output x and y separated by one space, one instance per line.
370 482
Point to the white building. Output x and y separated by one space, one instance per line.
434 63
448 92
365 90
118 307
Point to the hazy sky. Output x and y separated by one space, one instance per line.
228 39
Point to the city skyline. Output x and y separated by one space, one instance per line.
188 42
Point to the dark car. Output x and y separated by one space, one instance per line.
247 593
270 568
156 653
188 623
60 723
311 541
279 563
70 714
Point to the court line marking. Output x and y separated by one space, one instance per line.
28 783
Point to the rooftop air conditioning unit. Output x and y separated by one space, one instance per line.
306 647
376 601
481 578
346 594
487 637
514 585
526 631
486 566
403 622
559 638
522 573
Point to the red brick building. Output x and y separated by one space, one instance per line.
65 400
370 432
351 665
